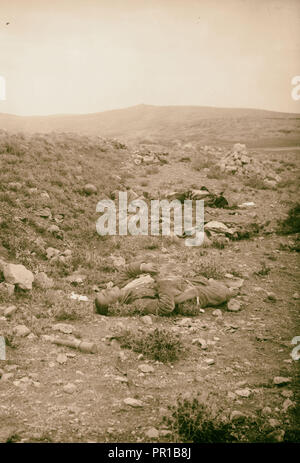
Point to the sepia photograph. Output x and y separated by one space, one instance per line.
149 225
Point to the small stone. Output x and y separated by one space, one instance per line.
9 311
287 393
147 320
217 313
296 296
266 411
45 213
281 380
165 433
121 379
243 392
233 305
43 281
63 328
133 402
69 388
152 433
274 423
145 368
21 330
276 436
54 229
209 361
90 189
200 342
76 278
61 358
52 252
287 404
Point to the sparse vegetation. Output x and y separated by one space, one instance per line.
292 223
158 344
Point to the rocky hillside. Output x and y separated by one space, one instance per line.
171 123
213 374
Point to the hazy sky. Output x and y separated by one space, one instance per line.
83 56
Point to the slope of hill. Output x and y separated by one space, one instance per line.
226 360
169 123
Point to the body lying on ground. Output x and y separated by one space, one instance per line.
150 291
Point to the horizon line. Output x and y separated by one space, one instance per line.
152 105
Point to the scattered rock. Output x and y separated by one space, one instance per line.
200 342
21 330
133 402
217 313
52 252
90 189
276 436
147 320
69 388
296 296
218 227
233 305
243 392
287 393
274 423
209 361
165 433
45 213
266 411
281 380
43 281
16 274
145 368
61 358
152 433
121 379
287 404
9 311
76 278
63 328
56 231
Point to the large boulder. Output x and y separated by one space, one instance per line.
16 274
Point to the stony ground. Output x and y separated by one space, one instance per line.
51 393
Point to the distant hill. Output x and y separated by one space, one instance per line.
168 123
